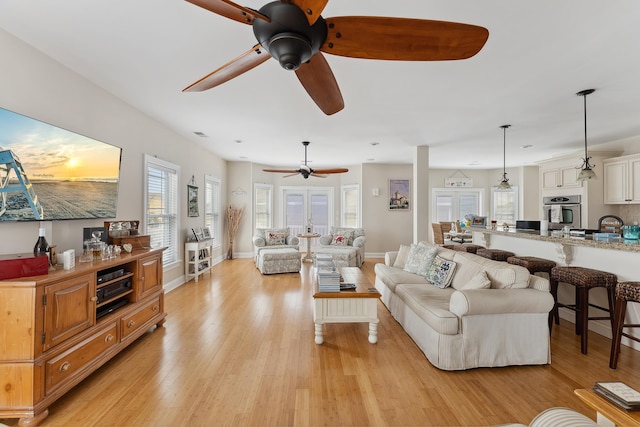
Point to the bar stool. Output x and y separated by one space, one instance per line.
625 291
584 279
538 265
494 254
468 247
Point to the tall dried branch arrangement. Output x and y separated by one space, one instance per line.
233 222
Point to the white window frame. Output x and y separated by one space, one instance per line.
343 209
444 191
494 190
213 187
172 254
269 208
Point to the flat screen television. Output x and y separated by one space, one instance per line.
48 173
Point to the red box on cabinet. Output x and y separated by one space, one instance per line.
23 265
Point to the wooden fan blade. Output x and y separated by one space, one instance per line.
404 39
320 83
311 8
243 63
230 10
317 176
290 175
328 171
281 171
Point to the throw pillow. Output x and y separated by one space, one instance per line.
479 281
341 239
401 258
441 272
276 239
419 259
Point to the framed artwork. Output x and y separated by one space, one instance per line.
206 234
196 234
399 194
479 221
192 201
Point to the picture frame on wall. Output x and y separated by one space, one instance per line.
399 194
192 201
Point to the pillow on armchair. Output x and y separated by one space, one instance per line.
342 238
276 238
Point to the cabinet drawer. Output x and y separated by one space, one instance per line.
134 321
69 364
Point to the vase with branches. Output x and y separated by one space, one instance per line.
233 222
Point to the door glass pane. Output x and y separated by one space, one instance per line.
320 213
294 213
468 206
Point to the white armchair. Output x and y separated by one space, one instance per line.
345 242
272 238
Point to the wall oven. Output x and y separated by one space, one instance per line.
561 211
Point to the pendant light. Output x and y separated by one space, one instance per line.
504 184
586 173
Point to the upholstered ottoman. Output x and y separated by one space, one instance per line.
343 256
279 260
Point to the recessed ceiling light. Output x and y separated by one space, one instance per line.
237 141
371 159
474 163
200 134
375 143
526 146
243 157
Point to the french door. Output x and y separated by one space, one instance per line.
303 203
451 204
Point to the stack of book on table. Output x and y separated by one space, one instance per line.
328 276
620 394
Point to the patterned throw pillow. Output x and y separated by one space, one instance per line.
420 259
441 272
276 239
340 240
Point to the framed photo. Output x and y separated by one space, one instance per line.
196 234
206 234
399 194
479 221
192 201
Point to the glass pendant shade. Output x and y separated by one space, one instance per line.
587 172
504 184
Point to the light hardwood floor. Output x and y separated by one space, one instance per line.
238 349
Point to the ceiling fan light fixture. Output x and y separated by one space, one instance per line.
504 183
587 172
290 49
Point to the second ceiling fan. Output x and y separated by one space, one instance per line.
305 170
294 33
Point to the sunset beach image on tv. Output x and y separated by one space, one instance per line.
49 173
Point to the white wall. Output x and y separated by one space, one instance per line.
34 85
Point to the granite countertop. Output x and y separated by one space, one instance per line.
545 236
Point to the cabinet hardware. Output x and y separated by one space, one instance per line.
155 308
108 338
64 367
93 299
130 324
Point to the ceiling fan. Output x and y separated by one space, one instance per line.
305 170
294 33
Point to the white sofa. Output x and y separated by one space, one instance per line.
349 254
458 328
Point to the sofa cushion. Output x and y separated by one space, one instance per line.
401 258
419 259
479 281
431 304
501 274
440 272
392 276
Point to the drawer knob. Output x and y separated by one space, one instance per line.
130 324
155 308
108 338
94 299
64 367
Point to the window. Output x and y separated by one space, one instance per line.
161 206
212 218
450 204
303 203
504 205
350 205
263 206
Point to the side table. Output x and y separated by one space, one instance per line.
308 256
608 414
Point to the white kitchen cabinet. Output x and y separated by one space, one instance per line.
197 258
622 180
561 177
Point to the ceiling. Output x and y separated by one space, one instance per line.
538 55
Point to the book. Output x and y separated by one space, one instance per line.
619 393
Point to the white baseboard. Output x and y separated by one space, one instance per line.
601 327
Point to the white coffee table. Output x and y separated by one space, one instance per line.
359 305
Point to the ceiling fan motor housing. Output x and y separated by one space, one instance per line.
288 37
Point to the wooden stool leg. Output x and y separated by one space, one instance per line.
578 310
611 296
584 318
618 324
554 313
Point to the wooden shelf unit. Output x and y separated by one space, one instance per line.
197 258
56 333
